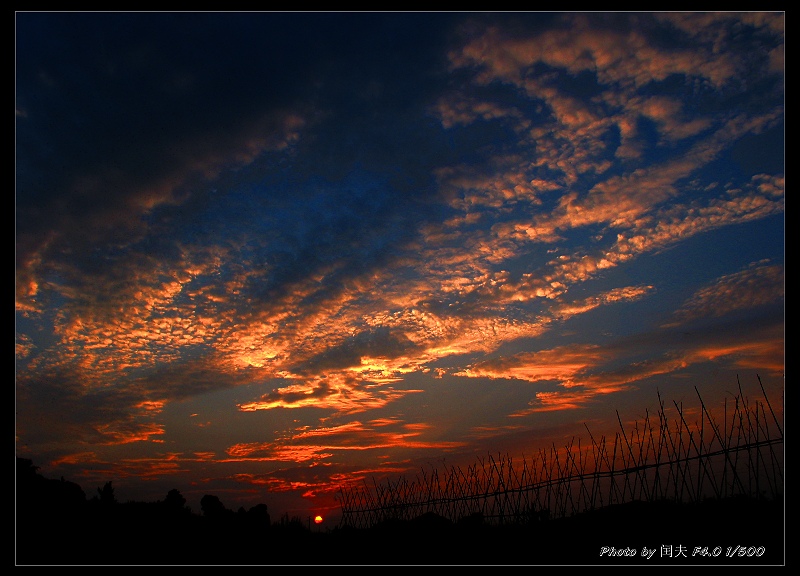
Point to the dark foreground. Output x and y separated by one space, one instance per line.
732 532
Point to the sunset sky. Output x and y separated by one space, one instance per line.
266 255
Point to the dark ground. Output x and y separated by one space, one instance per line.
731 532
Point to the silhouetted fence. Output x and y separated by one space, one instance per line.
658 459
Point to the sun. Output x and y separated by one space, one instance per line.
317 519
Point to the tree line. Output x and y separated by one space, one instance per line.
56 523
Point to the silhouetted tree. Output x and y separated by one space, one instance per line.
257 517
37 493
43 507
107 497
212 507
29 483
175 501
259 513
26 471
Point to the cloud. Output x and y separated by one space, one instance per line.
379 342
561 364
336 393
759 285
59 406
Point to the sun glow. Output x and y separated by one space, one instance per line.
317 519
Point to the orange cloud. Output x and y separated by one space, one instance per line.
560 364
353 436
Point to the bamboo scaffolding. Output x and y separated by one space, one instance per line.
655 460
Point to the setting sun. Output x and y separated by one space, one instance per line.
317 519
